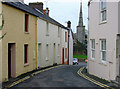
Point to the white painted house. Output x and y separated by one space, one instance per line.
52 39
104 38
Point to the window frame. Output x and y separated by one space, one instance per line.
25 53
103 11
65 36
26 23
102 50
92 48
47 28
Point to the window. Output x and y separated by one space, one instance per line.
65 36
103 49
47 50
58 31
103 10
92 49
65 52
47 29
26 22
25 53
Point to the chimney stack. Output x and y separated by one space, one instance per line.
69 24
46 11
37 5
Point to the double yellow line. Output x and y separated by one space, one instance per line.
27 77
92 80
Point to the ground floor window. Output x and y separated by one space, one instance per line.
93 48
25 53
103 49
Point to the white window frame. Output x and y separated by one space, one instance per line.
92 48
47 29
103 49
103 11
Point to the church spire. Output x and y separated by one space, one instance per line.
80 15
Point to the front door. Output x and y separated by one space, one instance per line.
11 60
63 56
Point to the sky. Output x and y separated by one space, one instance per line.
65 10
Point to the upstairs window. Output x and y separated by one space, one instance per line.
47 29
26 22
58 31
65 36
103 10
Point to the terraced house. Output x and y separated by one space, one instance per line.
52 39
18 46
104 39
31 39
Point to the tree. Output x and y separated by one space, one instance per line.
1 27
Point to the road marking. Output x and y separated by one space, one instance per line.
27 77
92 80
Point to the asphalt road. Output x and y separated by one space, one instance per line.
64 76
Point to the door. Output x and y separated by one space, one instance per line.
39 55
54 54
63 56
11 60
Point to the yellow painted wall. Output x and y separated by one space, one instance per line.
0 45
14 26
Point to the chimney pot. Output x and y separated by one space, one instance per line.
69 24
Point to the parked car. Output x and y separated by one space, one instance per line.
75 61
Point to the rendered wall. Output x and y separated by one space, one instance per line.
14 26
107 30
48 53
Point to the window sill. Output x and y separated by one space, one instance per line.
103 63
26 32
47 34
93 60
26 64
103 22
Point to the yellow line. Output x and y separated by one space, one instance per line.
92 80
27 77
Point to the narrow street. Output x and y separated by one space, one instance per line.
63 76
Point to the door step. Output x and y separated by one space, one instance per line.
116 82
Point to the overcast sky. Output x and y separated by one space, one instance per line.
64 10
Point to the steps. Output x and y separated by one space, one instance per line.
116 82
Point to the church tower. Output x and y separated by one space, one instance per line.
80 35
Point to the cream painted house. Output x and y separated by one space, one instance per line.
52 39
104 39
19 45
49 43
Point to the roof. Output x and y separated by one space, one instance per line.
26 8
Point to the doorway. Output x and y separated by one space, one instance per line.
63 56
11 60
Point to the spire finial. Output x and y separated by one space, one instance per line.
80 15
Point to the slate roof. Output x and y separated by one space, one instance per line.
26 8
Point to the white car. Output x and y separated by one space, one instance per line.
75 61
